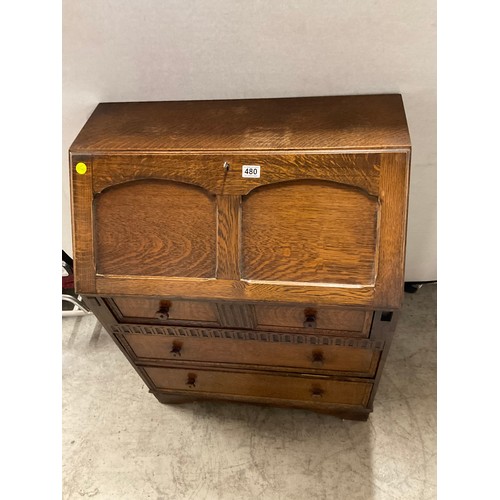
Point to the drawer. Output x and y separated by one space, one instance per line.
261 385
356 322
358 361
163 311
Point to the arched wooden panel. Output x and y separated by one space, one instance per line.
155 228
309 231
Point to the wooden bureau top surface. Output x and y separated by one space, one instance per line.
302 123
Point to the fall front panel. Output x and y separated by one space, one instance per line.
155 228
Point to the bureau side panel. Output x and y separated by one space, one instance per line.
82 218
394 185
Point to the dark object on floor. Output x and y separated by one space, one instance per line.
71 302
68 281
415 286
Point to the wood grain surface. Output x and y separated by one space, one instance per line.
262 385
155 228
340 122
236 315
311 231
292 357
345 412
208 172
228 237
234 290
326 318
394 187
82 217
183 310
327 338
384 330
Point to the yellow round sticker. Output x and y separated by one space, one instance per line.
81 168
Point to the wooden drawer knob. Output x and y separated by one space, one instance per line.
317 358
191 380
176 349
310 320
317 392
162 313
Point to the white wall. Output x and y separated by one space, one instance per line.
125 50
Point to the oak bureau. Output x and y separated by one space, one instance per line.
246 250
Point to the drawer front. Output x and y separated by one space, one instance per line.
141 310
261 385
356 322
357 361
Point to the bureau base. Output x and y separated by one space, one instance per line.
341 411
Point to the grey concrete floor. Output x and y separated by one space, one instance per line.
119 442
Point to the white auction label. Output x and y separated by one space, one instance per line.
252 171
